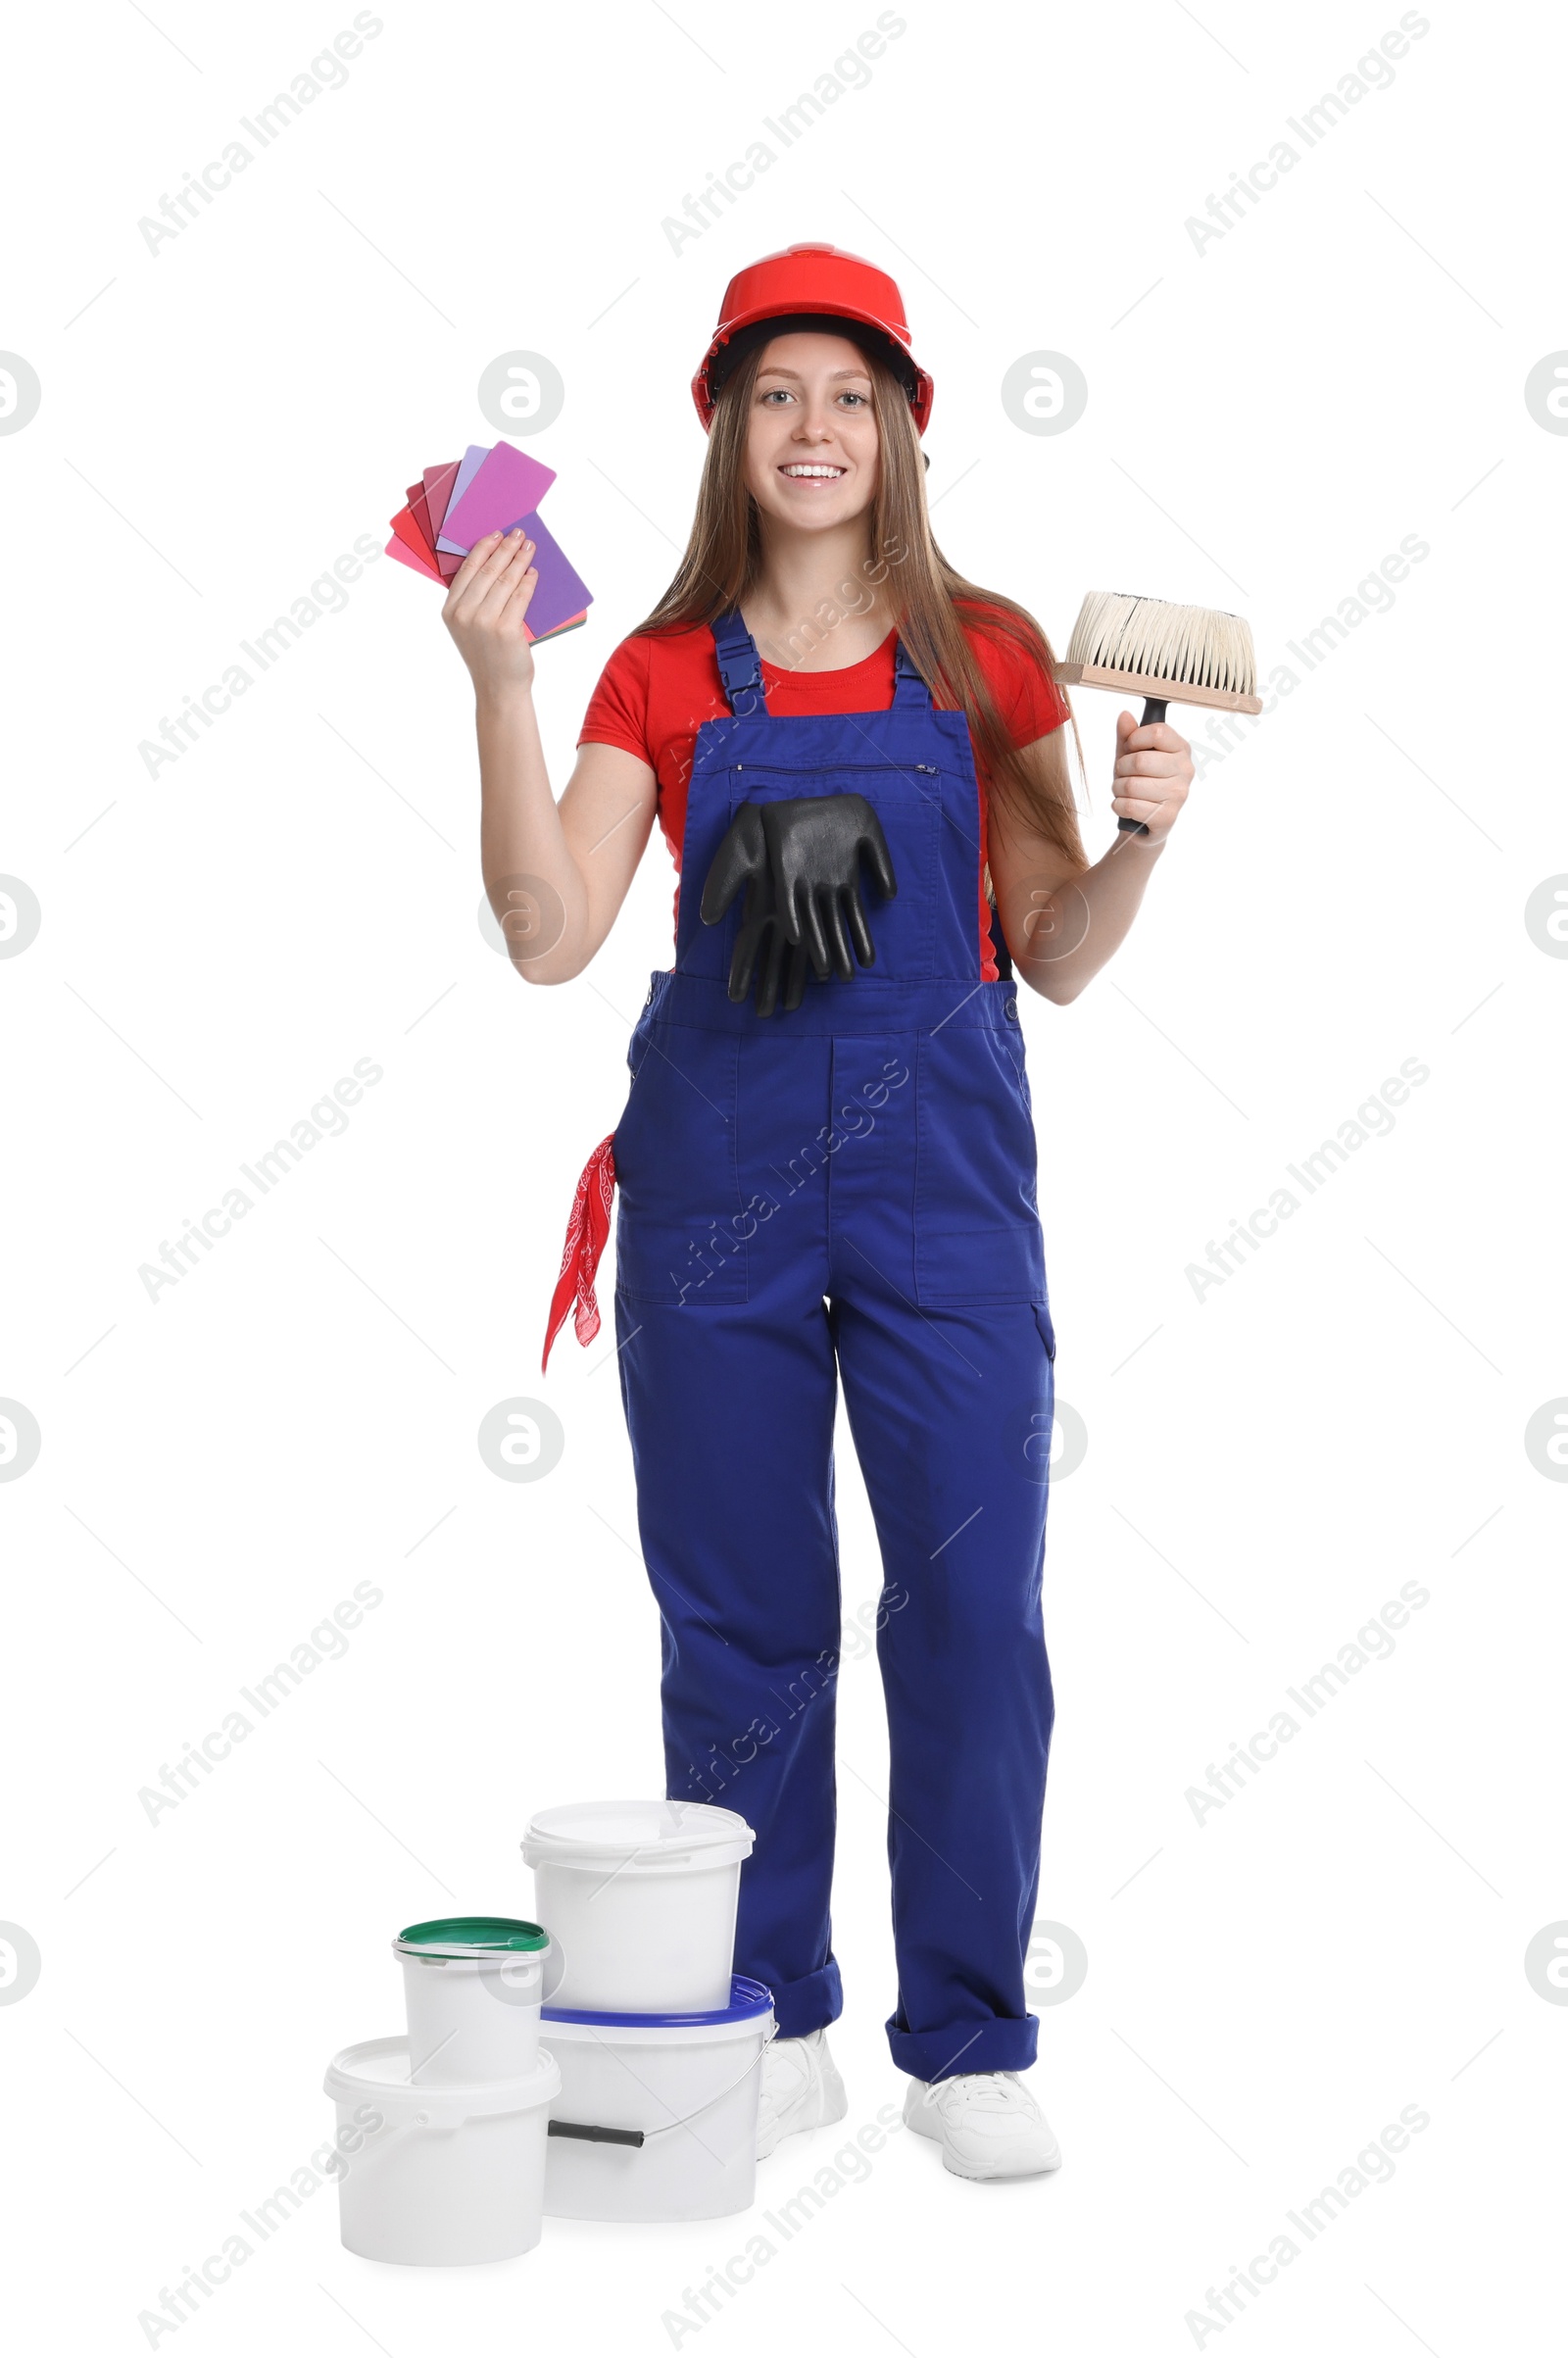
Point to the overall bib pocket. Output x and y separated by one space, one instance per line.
680 1236
907 801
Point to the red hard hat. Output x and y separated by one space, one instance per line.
808 280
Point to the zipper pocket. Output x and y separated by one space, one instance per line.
834 769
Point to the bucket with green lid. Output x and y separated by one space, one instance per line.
474 1986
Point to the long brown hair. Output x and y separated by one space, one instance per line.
927 596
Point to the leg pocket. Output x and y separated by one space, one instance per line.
976 1226
680 1234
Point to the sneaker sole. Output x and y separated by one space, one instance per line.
1042 2169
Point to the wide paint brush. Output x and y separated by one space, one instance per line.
1173 654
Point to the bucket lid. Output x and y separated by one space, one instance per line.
651 1833
748 2000
378 2069
474 1937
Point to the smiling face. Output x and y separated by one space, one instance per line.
812 437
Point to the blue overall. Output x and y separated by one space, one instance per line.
848 1190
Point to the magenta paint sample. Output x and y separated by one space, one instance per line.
468 466
505 489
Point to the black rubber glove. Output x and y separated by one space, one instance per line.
814 849
760 946
800 864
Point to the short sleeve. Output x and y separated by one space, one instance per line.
617 710
1030 702
1038 704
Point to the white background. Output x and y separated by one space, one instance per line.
1267 418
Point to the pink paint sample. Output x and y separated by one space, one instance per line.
404 556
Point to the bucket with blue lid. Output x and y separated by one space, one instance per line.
657 2114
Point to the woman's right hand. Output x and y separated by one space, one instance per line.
485 610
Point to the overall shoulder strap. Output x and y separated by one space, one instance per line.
909 691
740 667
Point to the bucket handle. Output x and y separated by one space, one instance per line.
640 2136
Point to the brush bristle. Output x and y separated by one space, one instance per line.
1194 644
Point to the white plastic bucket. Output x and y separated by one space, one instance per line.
446 2177
640 1897
690 2083
474 1986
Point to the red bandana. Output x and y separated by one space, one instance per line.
586 1232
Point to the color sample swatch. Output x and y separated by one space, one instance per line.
507 486
457 502
562 597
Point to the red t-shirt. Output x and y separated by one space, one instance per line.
658 688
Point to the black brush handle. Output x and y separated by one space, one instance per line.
1153 709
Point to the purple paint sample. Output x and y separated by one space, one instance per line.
562 593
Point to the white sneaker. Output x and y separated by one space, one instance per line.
800 2089
987 2124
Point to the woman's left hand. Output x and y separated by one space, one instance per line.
1153 771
